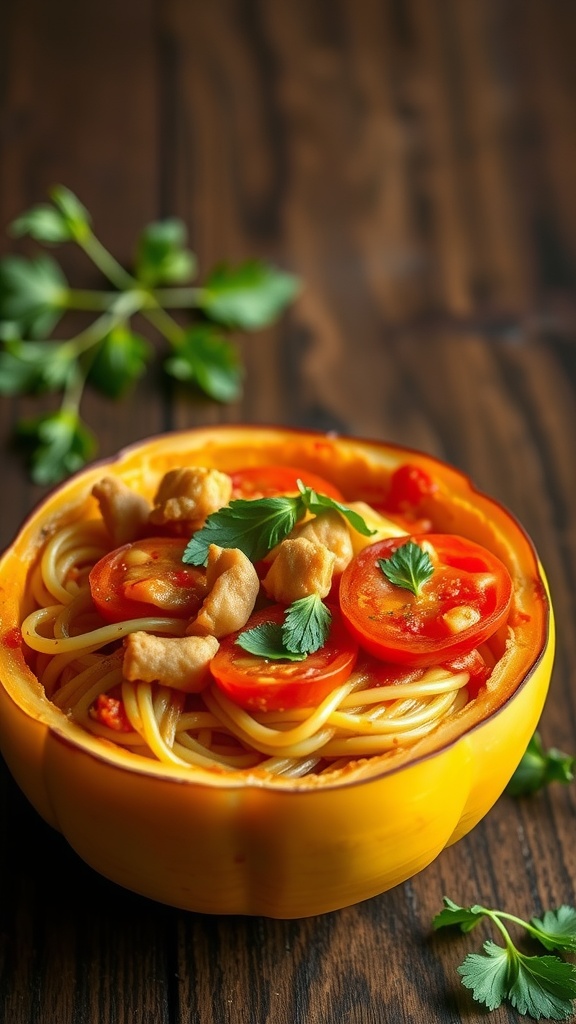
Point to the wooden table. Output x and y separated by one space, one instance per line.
414 162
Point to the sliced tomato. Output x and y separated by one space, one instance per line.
271 481
461 605
263 684
147 577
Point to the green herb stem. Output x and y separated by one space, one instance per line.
84 346
106 263
179 298
536 932
88 300
496 919
147 302
166 324
125 305
74 389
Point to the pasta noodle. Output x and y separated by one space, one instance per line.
78 660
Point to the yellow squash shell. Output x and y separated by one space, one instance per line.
235 843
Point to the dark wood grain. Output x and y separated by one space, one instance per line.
414 162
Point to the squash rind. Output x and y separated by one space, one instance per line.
241 845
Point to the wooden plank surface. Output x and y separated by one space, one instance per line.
414 163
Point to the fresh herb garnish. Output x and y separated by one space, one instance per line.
318 503
408 567
536 986
307 625
267 641
255 526
305 629
539 767
108 354
258 525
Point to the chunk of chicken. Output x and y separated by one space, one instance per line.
180 662
330 529
299 569
190 494
125 513
233 587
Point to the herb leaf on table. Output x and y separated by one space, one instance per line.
539 767
536 986
108 354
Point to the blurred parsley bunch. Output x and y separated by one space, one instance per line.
108 354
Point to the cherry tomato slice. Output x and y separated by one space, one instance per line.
271 481
262 684
147 577
462 604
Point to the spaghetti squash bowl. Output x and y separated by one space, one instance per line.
243 840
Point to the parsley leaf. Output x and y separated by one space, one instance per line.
28 367
209 360
408 567
162 256
66 221
32 293
121 358
539 767
43 223
249 296
557 928
307 625
257 525
486 974
267 641
60 445
253 526
318 503
305 629
537 986
466 917
544 987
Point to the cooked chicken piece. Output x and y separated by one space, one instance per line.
299 569
330 529
189 495
125 513
181 662
233 587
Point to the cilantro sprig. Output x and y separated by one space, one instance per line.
539 767
305 629
108 354
536 986
257 525
408 567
